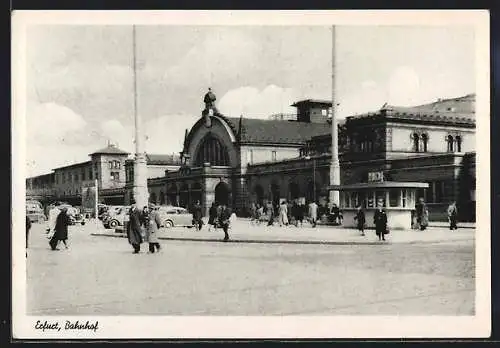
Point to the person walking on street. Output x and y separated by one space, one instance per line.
153 226
134 232
360 219
51 221
313 213
197 216
422 214
270 213
283 214
225 220
380 221
453 215
212 217
61 230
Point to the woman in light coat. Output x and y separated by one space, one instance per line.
283 219
152 227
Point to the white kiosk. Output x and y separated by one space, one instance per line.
399 200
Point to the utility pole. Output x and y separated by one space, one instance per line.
140 170
334 164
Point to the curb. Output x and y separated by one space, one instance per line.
282 241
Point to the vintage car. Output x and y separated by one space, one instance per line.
171 216
34 211
115 216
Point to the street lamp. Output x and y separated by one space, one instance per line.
314 175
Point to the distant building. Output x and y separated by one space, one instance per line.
242 160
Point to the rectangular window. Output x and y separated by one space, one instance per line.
110 165
90 174
439 187
115 176
83 175
251 156
394 197
273 156
404 198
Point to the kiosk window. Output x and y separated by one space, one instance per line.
369 200
394 197
380 197
404 198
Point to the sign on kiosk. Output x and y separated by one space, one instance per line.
375 176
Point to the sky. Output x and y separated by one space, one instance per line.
80 78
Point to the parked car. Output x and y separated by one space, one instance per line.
171 216
115 216
35 212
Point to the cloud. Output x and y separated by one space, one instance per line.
252 102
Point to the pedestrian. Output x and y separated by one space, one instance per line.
197 216
270 213
51 221
60 230
336 215
283 214
453 215
212 216
313 213
422 214
28 227
225 220
295 213
380 221
152 229
360 219
134 233
253 213
301 212
260 213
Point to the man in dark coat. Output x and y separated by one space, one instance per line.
61 230
134 232
212 217
380 221
225 216
197 216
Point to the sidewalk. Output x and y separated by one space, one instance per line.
243 232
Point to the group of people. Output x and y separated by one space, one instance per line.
421 220
220 216
294 213
143 226
379 220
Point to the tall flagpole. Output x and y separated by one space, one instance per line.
334 164
140 177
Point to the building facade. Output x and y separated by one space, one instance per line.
240 161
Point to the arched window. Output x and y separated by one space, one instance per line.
458 140
449 141
416 140
212 151
424 138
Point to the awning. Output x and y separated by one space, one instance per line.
378 185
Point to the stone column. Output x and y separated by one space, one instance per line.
140 167
334 165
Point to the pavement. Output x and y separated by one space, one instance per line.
243 231
101 276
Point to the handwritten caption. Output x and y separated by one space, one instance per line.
67 325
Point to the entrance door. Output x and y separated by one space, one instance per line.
222 193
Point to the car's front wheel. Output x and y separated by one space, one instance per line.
113 224
168 224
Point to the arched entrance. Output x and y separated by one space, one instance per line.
275 194
196 191
222 193
184 196
259 194
293 191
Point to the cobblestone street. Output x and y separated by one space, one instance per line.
100 275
